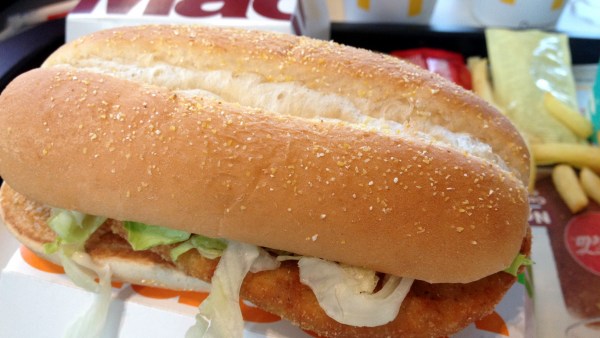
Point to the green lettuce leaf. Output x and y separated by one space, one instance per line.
521 259
220 315
143 236
82 271
72 228
210 248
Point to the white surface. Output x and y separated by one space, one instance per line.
551 314
549 304
126 319
388 11
530 13
580 18
8 245
36 304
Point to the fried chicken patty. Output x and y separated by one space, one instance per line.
429 310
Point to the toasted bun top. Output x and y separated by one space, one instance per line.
393 201
295 76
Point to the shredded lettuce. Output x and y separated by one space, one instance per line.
210 248
220 315
73 229
520 260
366 280
92 322
143 236
264 262
340 293
288 258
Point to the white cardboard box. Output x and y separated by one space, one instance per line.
35 303
300 17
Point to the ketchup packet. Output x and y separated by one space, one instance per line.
445 63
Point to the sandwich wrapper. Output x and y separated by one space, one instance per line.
38 300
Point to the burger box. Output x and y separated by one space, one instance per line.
300 17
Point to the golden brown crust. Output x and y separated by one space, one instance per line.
329 189
379 85
25 218
429 310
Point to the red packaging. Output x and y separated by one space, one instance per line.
575 247
447 64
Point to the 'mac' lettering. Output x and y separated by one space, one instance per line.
190 8
154 7
229 9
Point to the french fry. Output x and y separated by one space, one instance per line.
566 183
480 79
590 182
568 116
577 155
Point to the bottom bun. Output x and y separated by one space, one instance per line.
428 310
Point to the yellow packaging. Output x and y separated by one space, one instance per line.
525 65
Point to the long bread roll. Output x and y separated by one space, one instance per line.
300 76
120 124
